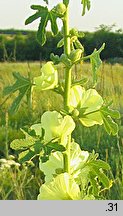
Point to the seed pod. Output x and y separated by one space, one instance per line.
60 9
75 55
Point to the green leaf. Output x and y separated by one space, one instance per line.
108 111
102 177
23 85
110 126
33 18
54 26
39 8
48 79
45 15
56 146
60 43
26 156
100 164
63 187
22 144
21 82
41 34
93 173
16 103
96 62
86 5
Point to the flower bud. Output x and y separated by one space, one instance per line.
60 9
75 55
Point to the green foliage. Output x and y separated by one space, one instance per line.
86 5
45 15
107 115
85 169
28 48
23 85
70 173
96 62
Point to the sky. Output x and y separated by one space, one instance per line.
13 14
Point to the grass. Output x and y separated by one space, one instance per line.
110 86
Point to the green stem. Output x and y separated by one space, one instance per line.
67 52
67 85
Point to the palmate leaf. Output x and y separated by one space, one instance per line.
23 85
86 5
53 20
93 173
28 148
45 15
41 34
108 115
31 152
96 62
21 82
63 187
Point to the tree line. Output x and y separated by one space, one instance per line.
17 45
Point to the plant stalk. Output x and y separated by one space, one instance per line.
67 52
67 85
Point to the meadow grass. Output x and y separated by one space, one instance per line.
110 86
